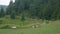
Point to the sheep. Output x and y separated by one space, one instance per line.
13 27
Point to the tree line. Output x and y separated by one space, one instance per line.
40 9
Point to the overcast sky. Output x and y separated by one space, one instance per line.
4 2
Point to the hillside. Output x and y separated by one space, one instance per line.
30 17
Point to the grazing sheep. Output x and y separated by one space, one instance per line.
35 26
13 27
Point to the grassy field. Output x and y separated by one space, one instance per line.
51 28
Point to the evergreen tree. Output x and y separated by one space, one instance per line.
12 16
43 9
23 18
10 8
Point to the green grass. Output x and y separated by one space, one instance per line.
14 21
52 28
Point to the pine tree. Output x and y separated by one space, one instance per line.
42 9
13 16
10 8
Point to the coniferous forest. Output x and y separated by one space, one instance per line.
41 9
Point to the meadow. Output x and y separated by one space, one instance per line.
45 29
52 28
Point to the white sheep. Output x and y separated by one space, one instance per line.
14 27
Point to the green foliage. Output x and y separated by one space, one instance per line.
9 8
42 9
23 18
12 16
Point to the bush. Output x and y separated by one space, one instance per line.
23 18
12 16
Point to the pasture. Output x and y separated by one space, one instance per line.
52 28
